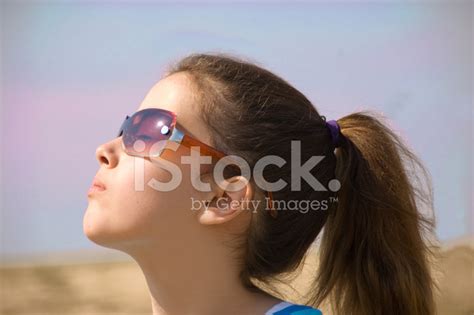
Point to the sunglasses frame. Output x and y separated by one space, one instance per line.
177 136
180 137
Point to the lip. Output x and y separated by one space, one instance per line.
96 187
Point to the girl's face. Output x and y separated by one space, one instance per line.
123 217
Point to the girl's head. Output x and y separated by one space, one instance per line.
135 210
374 258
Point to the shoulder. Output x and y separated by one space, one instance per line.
288 308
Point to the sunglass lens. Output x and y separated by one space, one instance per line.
144 132
120 132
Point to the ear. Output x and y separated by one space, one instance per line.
228 202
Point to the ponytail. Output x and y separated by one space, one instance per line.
374 256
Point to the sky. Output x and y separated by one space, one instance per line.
71 71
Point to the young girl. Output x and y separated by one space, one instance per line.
203 240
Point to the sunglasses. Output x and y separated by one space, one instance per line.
148 132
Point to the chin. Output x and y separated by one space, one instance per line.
94 229
90 229
98 229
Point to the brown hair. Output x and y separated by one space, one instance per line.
374 256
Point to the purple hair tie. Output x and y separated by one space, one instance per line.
336 135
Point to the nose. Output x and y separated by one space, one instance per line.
108 153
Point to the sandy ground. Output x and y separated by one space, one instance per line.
120 288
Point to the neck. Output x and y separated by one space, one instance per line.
198 281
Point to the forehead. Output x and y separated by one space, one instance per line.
175 93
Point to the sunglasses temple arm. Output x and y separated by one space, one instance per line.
204 148
208 150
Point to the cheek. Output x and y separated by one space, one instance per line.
170 207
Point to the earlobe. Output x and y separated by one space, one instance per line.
218 212
227 205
